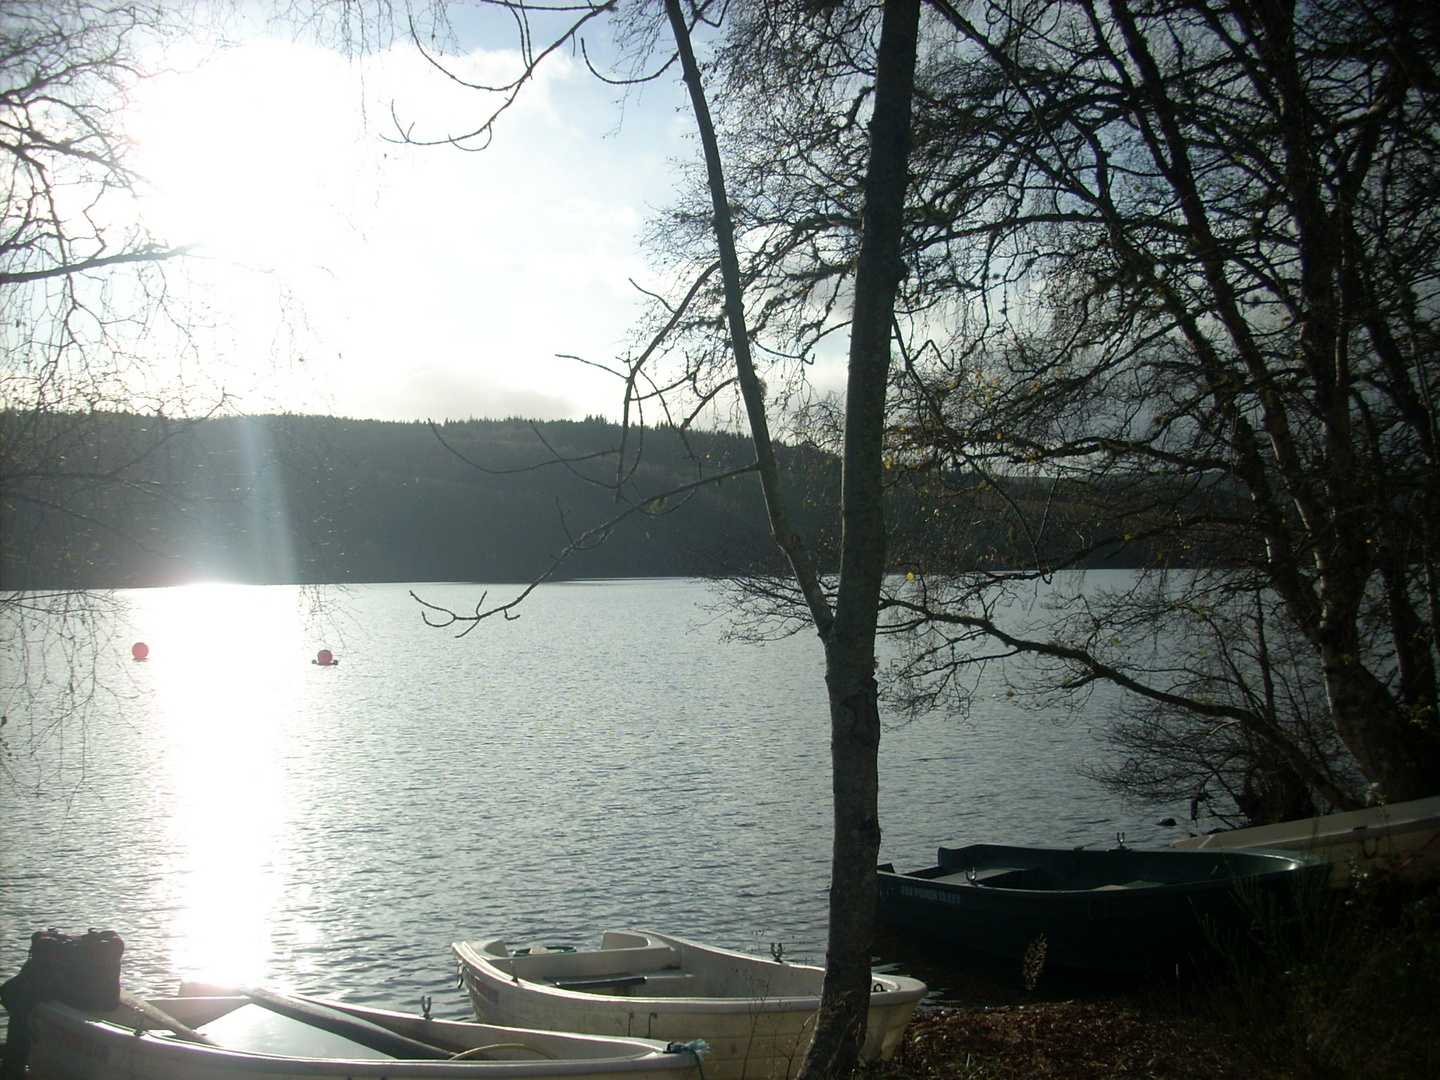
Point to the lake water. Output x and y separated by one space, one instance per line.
604 761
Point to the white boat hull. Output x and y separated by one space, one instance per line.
1373 841
68 1044
756 1015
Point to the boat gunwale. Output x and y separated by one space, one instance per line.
902 988
1383 822
1300 864
652 1058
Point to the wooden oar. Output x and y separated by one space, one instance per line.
356 1030
161 1019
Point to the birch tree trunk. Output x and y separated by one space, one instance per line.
848 632
850 646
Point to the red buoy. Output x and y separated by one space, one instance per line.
140 650
324 658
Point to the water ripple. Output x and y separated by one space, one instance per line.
597 764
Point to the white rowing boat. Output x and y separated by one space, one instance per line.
756 1015
262 1036
1379 840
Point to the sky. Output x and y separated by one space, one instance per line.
347 273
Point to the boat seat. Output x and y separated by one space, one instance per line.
1138 883
605 982
658 983
995 875
601 964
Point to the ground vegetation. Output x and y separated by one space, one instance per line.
1068 1040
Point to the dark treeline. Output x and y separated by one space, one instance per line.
108 499
112 500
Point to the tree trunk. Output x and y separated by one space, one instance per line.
850 645
848 633
1397 755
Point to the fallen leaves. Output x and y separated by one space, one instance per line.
1102 1040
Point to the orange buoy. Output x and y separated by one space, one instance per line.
140 650
325 658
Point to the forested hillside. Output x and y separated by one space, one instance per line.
107 499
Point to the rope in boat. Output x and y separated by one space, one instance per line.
1407 862
695 1047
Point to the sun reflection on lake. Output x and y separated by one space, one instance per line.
223 662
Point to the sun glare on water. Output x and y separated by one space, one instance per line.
223 662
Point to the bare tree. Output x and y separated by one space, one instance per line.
82 288
1170 304
1232 209
79 279
1187 255
845 615
846 627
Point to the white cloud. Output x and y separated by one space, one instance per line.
431 282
